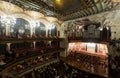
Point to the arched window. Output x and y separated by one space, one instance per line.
40 29
52 30
22 27
2 27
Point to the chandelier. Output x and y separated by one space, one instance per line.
9 20
51 26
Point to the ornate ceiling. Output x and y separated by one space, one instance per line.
66 9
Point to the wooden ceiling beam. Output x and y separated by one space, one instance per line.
83 13
91 4
88 3
108 2
85 6
95 4
101 5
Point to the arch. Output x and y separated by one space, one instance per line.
51 19
57 25
2 26
23 16
40 29
1 13
54 31
8 7
44 21
21 28
34 14
23 24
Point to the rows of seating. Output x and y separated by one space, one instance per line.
89 62
26 52
31 63
114 66
59 70
2 37
53 70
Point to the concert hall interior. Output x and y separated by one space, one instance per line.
59 38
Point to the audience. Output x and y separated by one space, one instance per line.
33 62
18 53
2 63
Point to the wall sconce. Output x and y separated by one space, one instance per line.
100 28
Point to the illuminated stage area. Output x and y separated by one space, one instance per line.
95 48
89 57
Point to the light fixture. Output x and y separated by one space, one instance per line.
58 2
6 19
37 24
21 31
51 26
100 28
33 24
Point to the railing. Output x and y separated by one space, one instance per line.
88 39
94 64
30 63
15 40
28 55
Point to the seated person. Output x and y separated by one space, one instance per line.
1 61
